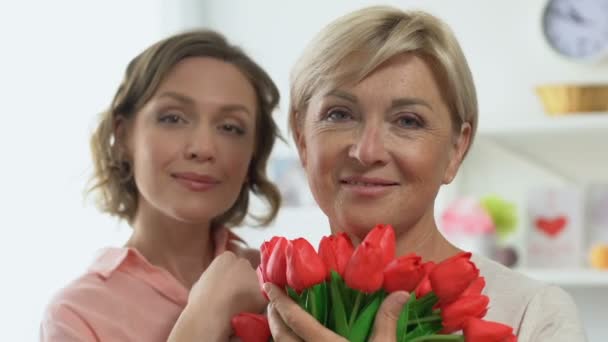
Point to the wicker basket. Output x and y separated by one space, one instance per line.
564 99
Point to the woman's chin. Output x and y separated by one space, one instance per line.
356 229
192 217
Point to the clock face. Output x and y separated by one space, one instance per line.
577 28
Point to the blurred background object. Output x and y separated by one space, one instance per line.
567 99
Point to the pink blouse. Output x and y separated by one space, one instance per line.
122 297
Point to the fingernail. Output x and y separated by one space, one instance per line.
267 288
401 297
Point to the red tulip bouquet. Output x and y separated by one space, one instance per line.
343 287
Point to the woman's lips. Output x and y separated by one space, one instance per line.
367 186
195 181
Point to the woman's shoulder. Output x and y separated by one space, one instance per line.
66 315
522 302
92 284
117 289
505 286
499 276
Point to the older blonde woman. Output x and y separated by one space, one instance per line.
383 111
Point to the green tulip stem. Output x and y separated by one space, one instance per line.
355 312
313 304
458 338
432 318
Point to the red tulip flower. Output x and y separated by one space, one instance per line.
403 274
304 266
424 287
478 330
335 251
456 313
452 276
251 327
364 269
450 292
475 288
273 262
384 237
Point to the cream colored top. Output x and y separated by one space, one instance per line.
538 312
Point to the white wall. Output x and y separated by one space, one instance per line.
60 62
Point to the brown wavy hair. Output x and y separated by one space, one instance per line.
113 178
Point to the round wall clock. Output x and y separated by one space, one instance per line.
577 29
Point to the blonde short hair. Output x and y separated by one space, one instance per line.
113 177
353 46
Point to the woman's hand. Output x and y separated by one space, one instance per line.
227 287
289 322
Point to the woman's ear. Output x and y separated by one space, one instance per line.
120 127
459 148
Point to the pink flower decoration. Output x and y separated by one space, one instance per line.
466 216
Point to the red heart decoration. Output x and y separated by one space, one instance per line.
551 227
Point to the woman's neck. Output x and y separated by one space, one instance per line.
424 239
183 249
428 243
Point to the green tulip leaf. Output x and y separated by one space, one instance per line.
347 294
364 322
424 305
317 298
337 309
428 334
404 318
423 326
305 300
325 301
425 332
372 297
293 294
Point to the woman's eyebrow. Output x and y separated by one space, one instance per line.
343 95
236 107
410 101
177 96
231 108
399 102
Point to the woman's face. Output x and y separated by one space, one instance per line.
192 143
378 151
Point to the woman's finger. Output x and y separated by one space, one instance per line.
296 319
279 330
385 324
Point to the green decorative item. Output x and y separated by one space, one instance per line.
503 213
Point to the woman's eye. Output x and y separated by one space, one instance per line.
336 115
233 129
171 118
409 122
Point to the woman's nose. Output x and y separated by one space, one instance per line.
369 146
201 145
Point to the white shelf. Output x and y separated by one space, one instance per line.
575 123
574 147
569 277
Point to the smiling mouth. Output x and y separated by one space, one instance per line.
364 182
